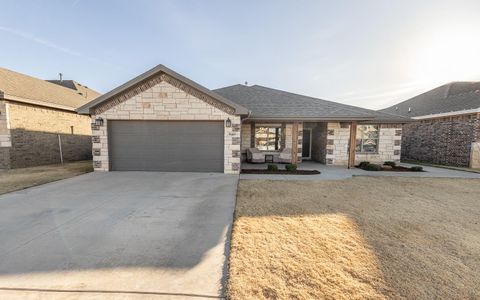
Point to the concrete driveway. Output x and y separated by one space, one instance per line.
117 235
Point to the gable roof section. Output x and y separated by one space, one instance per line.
150 78
267 104
448 98
83 90
27 89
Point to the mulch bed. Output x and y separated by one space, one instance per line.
280 172
394 169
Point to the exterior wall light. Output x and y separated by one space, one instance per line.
228 122
99 121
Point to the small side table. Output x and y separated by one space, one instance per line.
269 158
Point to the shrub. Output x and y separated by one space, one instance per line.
291 167
363 164
416 169
373 167
272 167
390 163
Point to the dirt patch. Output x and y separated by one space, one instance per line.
17 179
366 237
280 172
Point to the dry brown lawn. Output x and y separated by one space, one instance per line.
17 179
361 238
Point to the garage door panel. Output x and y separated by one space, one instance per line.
183 146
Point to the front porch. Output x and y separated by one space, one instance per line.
285 142
330 143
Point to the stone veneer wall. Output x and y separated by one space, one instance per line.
445 141
29 135
164 101
338 135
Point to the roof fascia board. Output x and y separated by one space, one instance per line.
448 114
334 119
85 109
35 102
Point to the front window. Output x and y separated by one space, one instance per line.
367 139
268 138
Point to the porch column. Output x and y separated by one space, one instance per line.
252 135
351 144
294 142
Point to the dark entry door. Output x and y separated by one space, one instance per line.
306 143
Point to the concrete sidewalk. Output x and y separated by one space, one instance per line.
338 172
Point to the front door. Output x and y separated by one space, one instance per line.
307 144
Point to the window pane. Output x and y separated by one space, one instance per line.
268 138
370 145
367 132
358 146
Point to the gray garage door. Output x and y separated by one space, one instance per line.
174 146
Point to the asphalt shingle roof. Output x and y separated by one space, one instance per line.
23 88
268 103
451 97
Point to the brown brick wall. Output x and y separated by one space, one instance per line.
445 141
4 157
34 134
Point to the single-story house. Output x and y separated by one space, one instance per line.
38 122
163 121
446 130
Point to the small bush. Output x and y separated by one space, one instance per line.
363 164
416 169
373 167
272 167
291 167
390 163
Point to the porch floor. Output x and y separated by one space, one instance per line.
329 172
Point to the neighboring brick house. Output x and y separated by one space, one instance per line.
163 121
37 118
446 130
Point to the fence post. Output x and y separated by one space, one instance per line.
60 148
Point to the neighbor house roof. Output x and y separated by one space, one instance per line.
450 98
240 110
267 104
83 90
23 88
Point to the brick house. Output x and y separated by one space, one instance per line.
446 130
37 118
163 121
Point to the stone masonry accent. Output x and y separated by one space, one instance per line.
164 101
152 82
447 141
29 135
388 149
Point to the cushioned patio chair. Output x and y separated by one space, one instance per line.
285 156
255 156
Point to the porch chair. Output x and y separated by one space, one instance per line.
285 156
255 156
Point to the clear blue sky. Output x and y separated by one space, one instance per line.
365 53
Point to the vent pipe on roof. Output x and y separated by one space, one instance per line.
246 82
409 109
61 76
